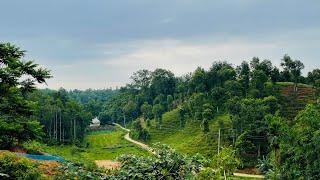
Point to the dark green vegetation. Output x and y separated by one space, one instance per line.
251 106
241 116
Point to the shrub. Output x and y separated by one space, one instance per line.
166 164
33 147
79 171
208 173
17 167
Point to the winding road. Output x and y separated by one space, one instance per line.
113 164
128 138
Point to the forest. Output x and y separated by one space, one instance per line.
255 115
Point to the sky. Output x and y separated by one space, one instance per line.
100 43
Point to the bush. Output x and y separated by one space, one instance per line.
79 171
166 164
208 173
33 147
17 167
264 165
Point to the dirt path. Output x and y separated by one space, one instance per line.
107 164
113 164
128 138
248 175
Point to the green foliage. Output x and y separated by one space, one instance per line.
293 67
157 111
99 145
300 146
166 164
17 78
146 110
226 161
18 168
208 173
79 171
139 132
33 147
264 165
64 119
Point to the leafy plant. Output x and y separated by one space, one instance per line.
14 167
33 147
166 164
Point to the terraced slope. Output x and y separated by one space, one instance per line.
294 101
190 139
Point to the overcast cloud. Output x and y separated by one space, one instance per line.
99 44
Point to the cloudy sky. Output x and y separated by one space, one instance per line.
100 43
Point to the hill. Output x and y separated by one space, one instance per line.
189 139
292 101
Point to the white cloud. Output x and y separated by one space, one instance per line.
183 56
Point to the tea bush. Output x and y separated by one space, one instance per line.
17 167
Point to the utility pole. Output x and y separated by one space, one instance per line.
219 140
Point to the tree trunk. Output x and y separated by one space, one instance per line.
56 130
60 126
50 128
74 129
124 120
63 135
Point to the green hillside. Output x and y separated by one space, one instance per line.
294 101
189 139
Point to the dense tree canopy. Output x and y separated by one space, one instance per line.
17 77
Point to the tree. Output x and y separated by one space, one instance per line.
182 114
259 78
163 82
219 73
265 66
206 115
294 67
198 81
129 111
141 79
301 145
244 76
17 78
157 111
105 118
275 75
226 162
195 103
219 96
169 102
313 77
146 110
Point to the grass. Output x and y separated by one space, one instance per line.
102 145
190 139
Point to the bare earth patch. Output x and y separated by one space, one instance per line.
107 164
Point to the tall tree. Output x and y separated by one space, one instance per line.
17 77
163 82
294 67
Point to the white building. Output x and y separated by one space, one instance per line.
95 122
